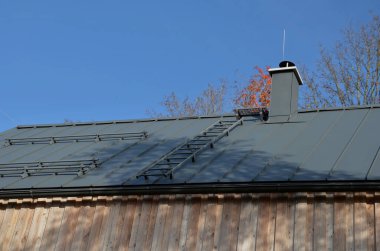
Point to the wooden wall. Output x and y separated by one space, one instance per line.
343 221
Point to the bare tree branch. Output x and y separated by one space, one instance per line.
210 102
349 74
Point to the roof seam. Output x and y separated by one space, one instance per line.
274 156
373 162
347 145
317 145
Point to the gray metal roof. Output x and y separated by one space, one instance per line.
324 145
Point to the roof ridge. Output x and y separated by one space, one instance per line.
122 121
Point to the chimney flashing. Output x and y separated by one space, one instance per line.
287 69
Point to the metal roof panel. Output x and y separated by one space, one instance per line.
337 144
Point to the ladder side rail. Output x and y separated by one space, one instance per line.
227 131
141 173
207 145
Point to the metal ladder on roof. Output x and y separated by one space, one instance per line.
187 151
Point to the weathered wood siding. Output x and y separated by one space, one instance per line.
306 221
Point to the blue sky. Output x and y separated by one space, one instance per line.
112 60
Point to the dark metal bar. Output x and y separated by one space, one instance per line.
45 168
198 188
78 138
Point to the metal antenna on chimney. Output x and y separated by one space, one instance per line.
283 46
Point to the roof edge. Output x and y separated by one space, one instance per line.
340 108
198 188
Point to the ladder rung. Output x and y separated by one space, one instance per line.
180 154
190 148
157 169
153 174
168 163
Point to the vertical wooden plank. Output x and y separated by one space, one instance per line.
3 209
320 230
329 221
22 227
52 228
123 235
284 224
291 214
135 224
185 223
350 243
68 226
263 223
360 231
106 221
201 221
247 224
370 217
235 217
93 241
83 229
266 223
272 221
218 221
41 227
191 239
159 227
300 227
179 204
209 225
138 242
377 220
167 227
165 235
151 224
111 223
37 227
310 214
226 231
340 222
8 226
119 217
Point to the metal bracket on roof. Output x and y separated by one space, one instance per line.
7 142
165 166
261 112
79 138
68 167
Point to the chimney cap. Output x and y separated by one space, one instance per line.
287 66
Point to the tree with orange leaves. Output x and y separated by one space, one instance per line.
257 92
